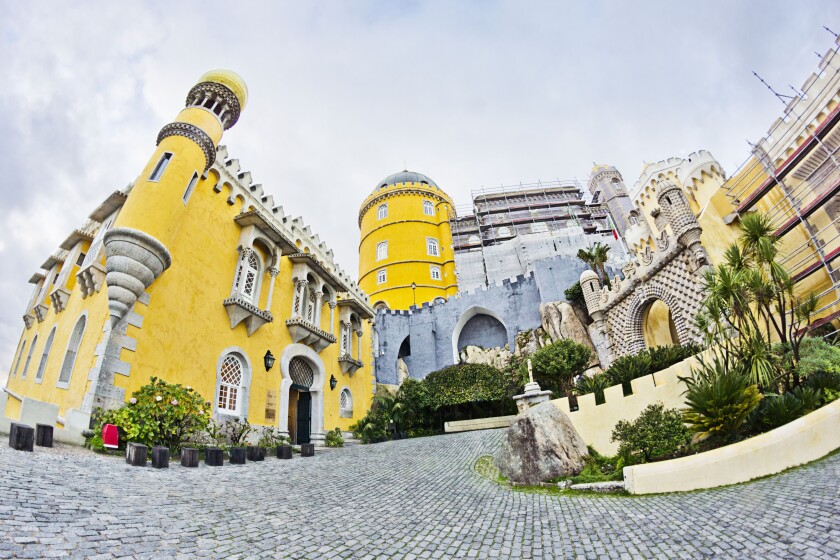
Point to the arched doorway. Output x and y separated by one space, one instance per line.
302 395
478 326
300 400
658 327
404 360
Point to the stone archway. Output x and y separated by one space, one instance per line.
480 326
658 327
644 300
316 390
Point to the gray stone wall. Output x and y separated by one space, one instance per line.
434 330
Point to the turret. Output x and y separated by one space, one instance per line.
682 220
136 248
607 187
591 287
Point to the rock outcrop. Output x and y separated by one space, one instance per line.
496 357
541 444
559 320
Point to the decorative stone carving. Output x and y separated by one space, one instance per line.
349 365
305 332
133 260
40 312
541 444
29 320
59 298
220 94
193 133
240 310
90 279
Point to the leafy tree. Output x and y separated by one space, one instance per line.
574 295
593 384
466 383
557 364
656 433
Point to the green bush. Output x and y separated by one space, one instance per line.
375 426
574 295
662 357
626 368
657 433
158 413
271 437
817 355
235 431
719 399
599 468
827 383
557 364
593 384
334 438
778 410
465 383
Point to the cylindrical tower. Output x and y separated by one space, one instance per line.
405 252
136 248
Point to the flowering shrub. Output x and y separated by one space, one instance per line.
159 413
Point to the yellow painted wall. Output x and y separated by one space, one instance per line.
658 326
406 228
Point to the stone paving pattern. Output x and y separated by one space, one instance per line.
406 499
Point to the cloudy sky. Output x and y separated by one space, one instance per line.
343 94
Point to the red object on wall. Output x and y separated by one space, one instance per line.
110 436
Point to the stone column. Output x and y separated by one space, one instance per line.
283 421
345 336
316 428
332 317
299 303
319 297
273 272
359 337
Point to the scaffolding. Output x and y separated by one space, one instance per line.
507 229
806 181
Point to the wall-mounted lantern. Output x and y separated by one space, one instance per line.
333 382
269 360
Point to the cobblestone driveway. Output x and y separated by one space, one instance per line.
406 499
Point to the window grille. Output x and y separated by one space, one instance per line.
96 245
382 212
382 250
301 372
231 381
346 403
435 270
428 208
381 276
248 273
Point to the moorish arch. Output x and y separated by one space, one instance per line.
478 326
296 379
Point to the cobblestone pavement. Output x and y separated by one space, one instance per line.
406 499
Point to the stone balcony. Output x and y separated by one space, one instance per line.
242 311
349 365
305 332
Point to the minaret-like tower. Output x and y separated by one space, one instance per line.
607 186
591 287
136 248
405 252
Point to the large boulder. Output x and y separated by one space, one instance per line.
541 444
499 358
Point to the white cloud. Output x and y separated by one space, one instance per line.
471 93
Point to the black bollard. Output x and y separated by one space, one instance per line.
189 457
136 454
43 435
284 451
21 437
160 457
237 455
256 453
214 457
307 449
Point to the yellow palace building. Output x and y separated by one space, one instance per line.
405 253
194 275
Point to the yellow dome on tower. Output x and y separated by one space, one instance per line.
230 80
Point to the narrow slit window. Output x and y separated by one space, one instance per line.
190 188
160 167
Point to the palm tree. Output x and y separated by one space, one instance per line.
595 256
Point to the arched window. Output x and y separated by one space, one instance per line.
381 250
248 275
382 212
301 372
231 376
435 272
345 402
432 247
70 355
428 208
20 356
381 276
29 357
46 354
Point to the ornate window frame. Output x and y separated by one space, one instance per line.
345 403
243 389
382 211
45 354
381 275
71 353
434 272
432 247
382 250
428 208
